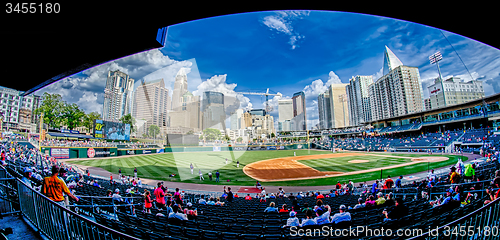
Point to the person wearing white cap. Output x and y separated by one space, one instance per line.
292 220
342 215
116 196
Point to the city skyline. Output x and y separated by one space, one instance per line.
288 52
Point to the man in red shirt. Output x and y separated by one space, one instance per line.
160 196
389 182
248 197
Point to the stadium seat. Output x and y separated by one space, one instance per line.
229 236
209 234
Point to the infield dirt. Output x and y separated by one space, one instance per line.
288 168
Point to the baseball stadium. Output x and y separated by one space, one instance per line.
377 161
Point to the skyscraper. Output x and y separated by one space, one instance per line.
391 61
180 87
212 106
324 110
359 100
117 96
151 101
299 120
397 93
339 109
285 114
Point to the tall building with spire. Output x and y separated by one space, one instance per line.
391 61
117 96
180 88
397 92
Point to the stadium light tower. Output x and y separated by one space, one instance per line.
435 58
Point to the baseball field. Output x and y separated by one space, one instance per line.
273 167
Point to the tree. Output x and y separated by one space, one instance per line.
72 115
212 134
239 139
88 120
51 107
154 130
128 119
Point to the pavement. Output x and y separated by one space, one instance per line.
20 230
101 173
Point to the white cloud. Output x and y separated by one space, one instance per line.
218 83
282 23
318 86
87 88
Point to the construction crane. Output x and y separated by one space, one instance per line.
267 94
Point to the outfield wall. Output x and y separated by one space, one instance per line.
99 152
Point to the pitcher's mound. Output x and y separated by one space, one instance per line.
358 161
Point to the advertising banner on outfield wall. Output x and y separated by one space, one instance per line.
59 152
146 151
102 152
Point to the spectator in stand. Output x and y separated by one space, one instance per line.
295 205
202 200
469 172
116 196
360 204
160 196
271 208
54 187
27 176
431 175
322 216
380 199
342 216
389 199
397 212
397 183
292 221
309 219
338 186
291 197
374 187
284 208
331 194
148 202
445 200
211 201
370 201
219 203
177 213
230 196
389 183
190 212
454 176
248 197
319 196
177 196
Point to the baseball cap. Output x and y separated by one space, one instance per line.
117 190
27 170
189 204
342 207
450 190
292 214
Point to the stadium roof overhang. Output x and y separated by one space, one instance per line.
40 49
70 135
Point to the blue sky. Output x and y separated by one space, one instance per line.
287 52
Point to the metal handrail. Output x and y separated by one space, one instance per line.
37 209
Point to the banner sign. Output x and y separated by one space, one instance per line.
271 148
59 152
102 152
216 149
146 151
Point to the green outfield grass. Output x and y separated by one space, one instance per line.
159 166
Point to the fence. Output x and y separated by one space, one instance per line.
51 219
484 223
